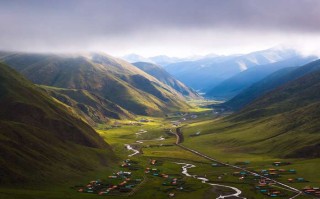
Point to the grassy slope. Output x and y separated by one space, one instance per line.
111 78
40 140
283 123
93 108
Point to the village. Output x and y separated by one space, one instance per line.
274 180
123 182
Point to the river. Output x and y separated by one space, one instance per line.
185 168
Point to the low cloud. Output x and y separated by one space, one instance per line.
176 27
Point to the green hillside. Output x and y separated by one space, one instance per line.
112 79
283 123
41 141
93 108
163 76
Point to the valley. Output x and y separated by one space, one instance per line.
108 128
200 168
143 99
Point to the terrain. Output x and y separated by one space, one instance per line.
229 88
270 83
41 139
164 77
206 73
267 149
112 79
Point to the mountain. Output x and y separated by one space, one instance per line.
269 83
131 58
288 116
112 79
93 108
237 83
40 139
205 74
164 77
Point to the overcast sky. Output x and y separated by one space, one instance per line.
152 27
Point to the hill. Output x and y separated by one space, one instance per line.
292 114
163 76
41 140
283 123
93 108
237 83
107 77
269 83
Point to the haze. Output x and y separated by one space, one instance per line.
171 27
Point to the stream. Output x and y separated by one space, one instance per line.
158 139
135 152
129 148
185 168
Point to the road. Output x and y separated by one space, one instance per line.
178 143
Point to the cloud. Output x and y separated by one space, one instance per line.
174 26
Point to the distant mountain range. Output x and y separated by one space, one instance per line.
98 85
42 139
207 73
223 77
237 83
162 60
270 83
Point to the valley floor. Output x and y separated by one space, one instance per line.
165 170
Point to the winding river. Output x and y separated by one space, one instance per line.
185 168
135 152
129 147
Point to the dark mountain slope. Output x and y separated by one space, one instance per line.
164 77
269 83
40 140
93 108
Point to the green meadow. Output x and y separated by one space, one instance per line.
217 138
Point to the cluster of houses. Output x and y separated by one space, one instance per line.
169 180
274 173
264 186
121 175
118 182
103 188
131 165
314 191
153 171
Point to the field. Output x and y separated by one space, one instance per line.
156 140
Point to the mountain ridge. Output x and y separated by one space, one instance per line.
113 79
163 76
